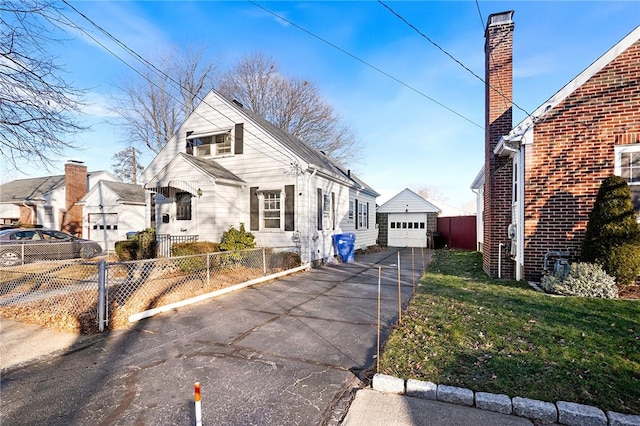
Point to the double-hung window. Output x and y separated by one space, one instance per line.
627 166
271 209
363 215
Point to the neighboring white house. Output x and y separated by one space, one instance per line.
477 186
226 166
407 220
50 201
111 209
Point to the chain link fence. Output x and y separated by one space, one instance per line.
60 294
90 296
23 252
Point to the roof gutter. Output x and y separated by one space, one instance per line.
508 145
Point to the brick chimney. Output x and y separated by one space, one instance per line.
498 122
75 180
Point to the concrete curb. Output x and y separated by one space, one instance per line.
561 412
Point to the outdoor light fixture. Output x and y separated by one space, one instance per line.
199 192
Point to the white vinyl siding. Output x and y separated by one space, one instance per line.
264 164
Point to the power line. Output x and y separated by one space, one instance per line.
148 64
365 63
480 14
413 27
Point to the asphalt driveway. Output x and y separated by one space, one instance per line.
286 352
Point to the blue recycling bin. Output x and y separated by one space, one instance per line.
345 245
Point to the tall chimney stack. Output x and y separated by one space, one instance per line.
498 122
75 181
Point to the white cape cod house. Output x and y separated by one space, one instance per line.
226 166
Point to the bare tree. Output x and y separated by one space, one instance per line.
294 105
37 105
430 192
126 165
156 101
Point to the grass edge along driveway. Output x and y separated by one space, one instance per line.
465 329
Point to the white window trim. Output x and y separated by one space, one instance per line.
351 210
619 150
260 194
362 212
213 146
327 214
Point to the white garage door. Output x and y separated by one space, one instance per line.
408 230
104 229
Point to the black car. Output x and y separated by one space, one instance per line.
21 245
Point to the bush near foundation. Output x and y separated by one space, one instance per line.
612 238
197 247
142 246
584 279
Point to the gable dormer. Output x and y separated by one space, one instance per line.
216 143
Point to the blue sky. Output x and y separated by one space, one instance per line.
409 140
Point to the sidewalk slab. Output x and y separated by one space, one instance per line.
372 408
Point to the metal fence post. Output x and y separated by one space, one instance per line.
101 294
208 270
264 260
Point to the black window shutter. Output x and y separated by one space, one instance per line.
239 139
333 210
289 207
367 215
319 209
189 146
254 207
357 217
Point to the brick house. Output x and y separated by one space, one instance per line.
541 176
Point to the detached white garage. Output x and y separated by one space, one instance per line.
111 209
406 220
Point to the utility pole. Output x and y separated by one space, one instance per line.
134 166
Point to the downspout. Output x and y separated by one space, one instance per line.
521 203
309 211
500 260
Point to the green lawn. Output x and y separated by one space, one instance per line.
465 329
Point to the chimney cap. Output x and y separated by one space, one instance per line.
74 161
500 18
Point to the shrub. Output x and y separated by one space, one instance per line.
283 260
624 263
195 262
234 240
142 246
237 239
612 238
127 249
198 247
584 279
147 245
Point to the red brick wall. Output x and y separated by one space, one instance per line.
75 176
498 170
572 151
28 215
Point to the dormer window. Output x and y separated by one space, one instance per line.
209 144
